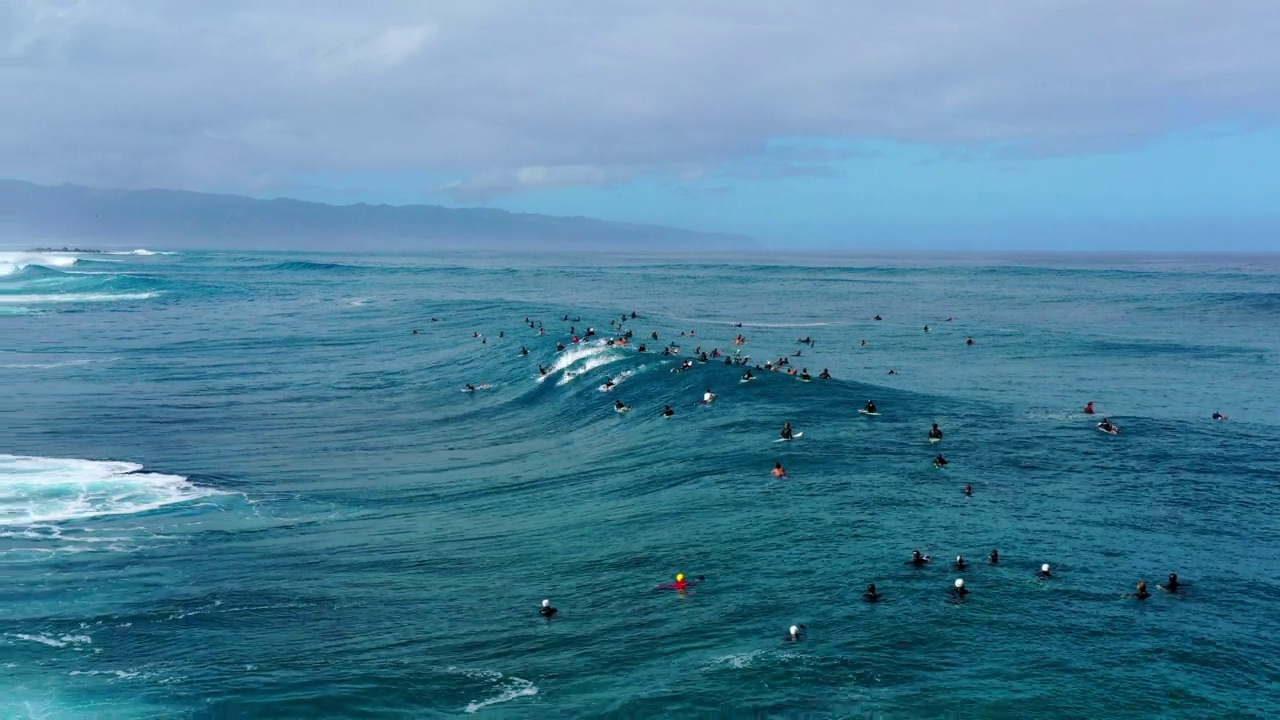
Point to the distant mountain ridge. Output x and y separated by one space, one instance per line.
33 214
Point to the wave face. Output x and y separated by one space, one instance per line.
258 492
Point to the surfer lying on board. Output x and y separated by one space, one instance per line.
617 405
1219 416
1106 426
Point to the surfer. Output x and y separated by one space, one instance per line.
559 347
795 354
1141 593
917 559
542 371
1088 408
1044 572
995 557
523 351
778 472
1171 585
1216 415
617 405
470 388
939 462
968 490
870 407
667 411
871 595
862 343
960 590
708 397
786 431
609 383
1107 426
892 371
960 563
926 328
547 611
824 375
968 341
877 318
795 634
935 433
804 375
415 331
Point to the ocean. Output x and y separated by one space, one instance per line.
251 485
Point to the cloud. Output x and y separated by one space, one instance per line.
511 96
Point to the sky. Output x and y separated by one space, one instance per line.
1004 124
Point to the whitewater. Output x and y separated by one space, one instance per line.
245 485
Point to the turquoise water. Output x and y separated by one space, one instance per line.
238 485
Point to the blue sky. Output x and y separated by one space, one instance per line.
1002 125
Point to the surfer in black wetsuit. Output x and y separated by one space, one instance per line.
547 611
995 557
524 350
871 595
877 318
917 559
968 341
968 490
786 431
935 433
796 634
559 347
542 371
1216 415
667 411
939 461
960 590
1171 585
1106 426
470 388
747 375
1044 573
960 563
617 405
825 375
871 406
804 374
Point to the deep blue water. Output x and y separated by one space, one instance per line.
238 485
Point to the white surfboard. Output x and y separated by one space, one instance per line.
868 412
794 436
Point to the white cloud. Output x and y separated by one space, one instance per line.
513 95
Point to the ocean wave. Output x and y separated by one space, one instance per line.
139 251
76 297
36 490
12 262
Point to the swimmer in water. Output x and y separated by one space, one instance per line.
968 341
862 343
877 318
968 490
617 405
824 375
960 590
415 332
1216 415
682 584
547 611
871 406
871 595
995 557
1088 408
708 397
917 559
960 563
1141 593
1044 572
796 634
1171 585
786 431
935 433
892 371
778 472
939 462
667 411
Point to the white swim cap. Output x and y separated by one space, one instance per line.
546 603
959 583
959 558
795 630
1044 567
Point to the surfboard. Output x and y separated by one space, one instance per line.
934 440
622 409
867 412
794 436
485 386
1113 431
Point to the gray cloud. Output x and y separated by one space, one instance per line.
509 96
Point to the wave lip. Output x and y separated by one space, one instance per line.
12 262
50 490
139 251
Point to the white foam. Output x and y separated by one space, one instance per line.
37 490
62 642
139 251
12 262
593 355
76 297
512 688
